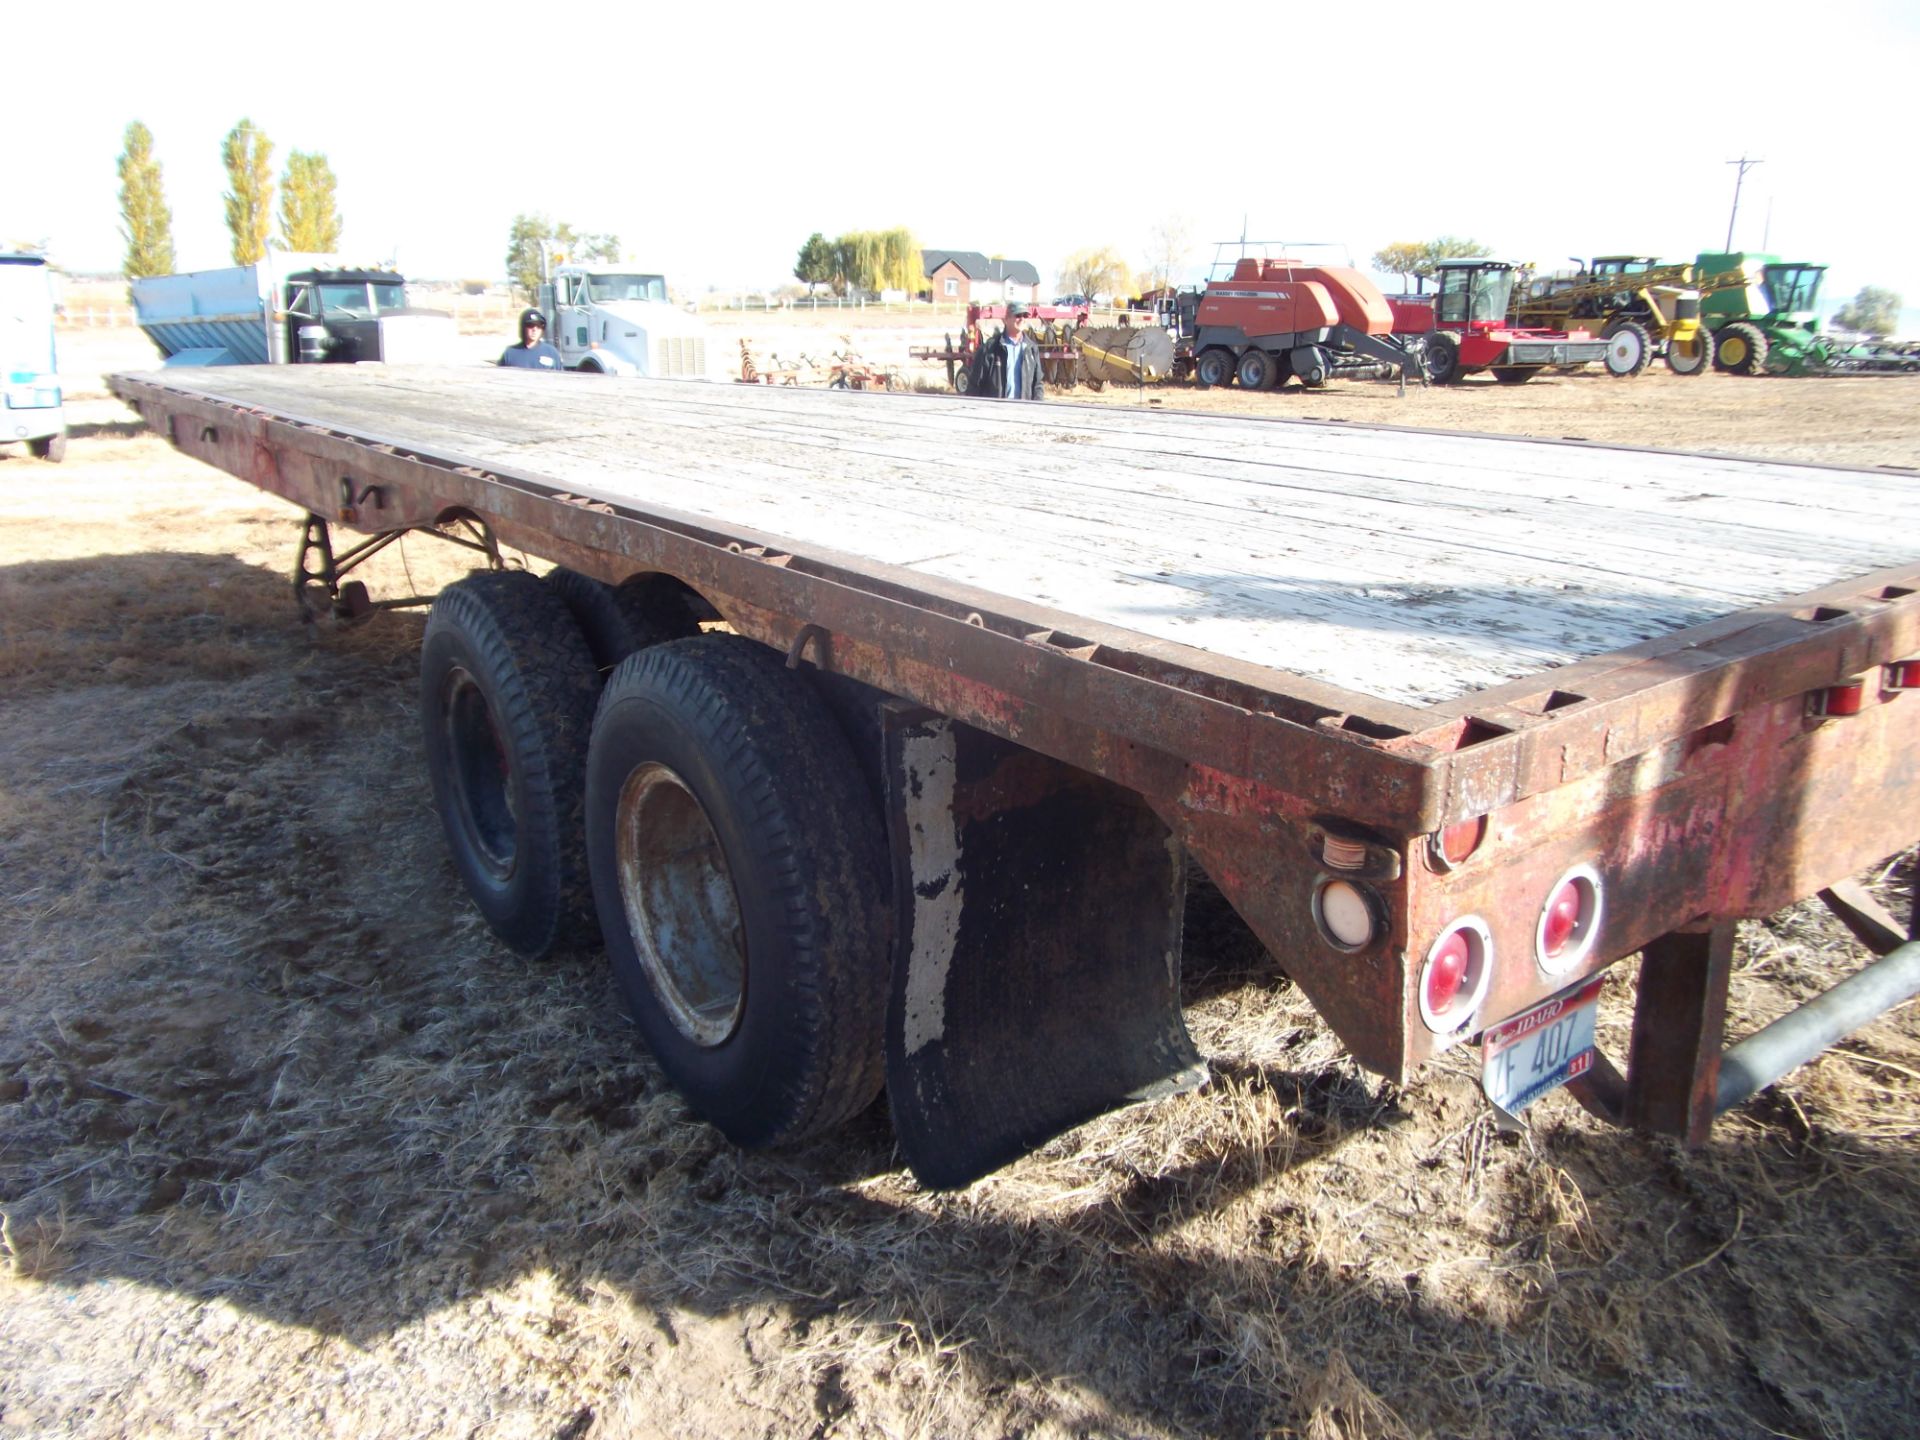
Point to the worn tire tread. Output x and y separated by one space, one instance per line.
818 832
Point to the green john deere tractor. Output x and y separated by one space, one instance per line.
1762 313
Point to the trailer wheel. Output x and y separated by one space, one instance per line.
617 619
963 381
1214 366
1256 370
49 447
739 871
1691 358
1629 349
507 688
1741 348
1515 374
1443 359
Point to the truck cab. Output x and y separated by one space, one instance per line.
618 320
334 316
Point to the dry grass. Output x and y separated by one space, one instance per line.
288 1145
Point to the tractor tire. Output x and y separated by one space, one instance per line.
617 620
963 381
1256 370
52 448
1629 349
1741 349
1214 367
507 690
1442 360
1515 374
739 869
1691 358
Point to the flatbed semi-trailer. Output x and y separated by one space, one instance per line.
871 733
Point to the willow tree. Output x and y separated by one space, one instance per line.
248 156
146 223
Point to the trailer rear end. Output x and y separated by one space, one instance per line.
871 734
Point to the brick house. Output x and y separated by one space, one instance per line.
970 277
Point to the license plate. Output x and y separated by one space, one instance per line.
1540 1049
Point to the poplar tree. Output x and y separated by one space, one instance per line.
309 222
146 223
248 156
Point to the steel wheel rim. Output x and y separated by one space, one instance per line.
682 911
1733 350
1626 347
1684 360
481 774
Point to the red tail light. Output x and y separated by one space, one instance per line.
1569 921
1455 976
1844 699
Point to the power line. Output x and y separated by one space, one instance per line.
1745 165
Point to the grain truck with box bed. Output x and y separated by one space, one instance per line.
872 734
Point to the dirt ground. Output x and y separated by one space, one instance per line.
289 1145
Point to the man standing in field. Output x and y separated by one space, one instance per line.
533 352
1008 366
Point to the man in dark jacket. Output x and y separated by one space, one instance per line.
1008 365
533 352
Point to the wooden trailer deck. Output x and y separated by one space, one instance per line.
1413 567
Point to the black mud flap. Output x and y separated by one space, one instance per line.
1036 973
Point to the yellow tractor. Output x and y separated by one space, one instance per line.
1640 307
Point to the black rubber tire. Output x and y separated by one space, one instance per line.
963 381
1748 347
51 448
1698 362
618 620
1442 359
1256 370
801 847
507 690
1629 349
1214 366
1515 374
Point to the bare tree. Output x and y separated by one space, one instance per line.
1169 244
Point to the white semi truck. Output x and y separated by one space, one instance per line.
33 415
616 320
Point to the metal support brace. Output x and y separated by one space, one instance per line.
1036 973
1679 1021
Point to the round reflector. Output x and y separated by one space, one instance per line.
1348 913
1454 979
1569 921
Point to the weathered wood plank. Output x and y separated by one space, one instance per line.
1413 567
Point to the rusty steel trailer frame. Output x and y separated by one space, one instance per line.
1702 772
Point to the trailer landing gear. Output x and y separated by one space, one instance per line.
317 570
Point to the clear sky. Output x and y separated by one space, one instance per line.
713 139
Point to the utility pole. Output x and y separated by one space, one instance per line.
1745 165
